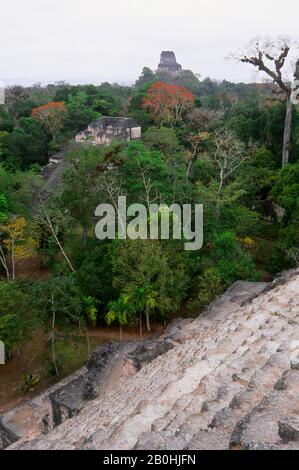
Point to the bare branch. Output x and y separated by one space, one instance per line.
265 53
228 155
56 239
3 262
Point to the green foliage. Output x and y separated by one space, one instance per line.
6 120
29 382
252 120
142 299
167 176
85 103
125 281
246 118
147 77
26 145
78 196
118 311
79 113
94 275
286 190
3 139
189 80
157 269
203 171
262 158
226 212
162 139
277 260
135 107
286 193
61 295
229 258
90 309
208 286
3 208
18 318
19 188
70 352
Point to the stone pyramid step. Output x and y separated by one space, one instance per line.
227 372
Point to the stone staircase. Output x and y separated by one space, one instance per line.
230 380
52 174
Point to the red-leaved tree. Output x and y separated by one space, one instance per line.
52 116
168 103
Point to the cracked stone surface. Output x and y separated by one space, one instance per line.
226 379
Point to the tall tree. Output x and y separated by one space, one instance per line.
119 311
227 154
26 145
269 56
16 242
158 270
18 317
78 195
61 307
168 102
52 115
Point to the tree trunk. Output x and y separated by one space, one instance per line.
287 132
53 337
217 206
23 365
3 262
57 241
13 263
221 181
190 164
84 236
88 344
140 326
148 325
120 333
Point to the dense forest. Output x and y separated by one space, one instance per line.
214 143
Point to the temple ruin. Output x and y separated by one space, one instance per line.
105 129
168 63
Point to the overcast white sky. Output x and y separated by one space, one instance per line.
111 40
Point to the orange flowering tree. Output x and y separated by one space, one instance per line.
51 115
167 102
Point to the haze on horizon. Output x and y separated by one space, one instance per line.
91 41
